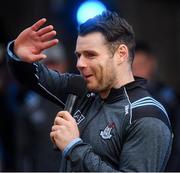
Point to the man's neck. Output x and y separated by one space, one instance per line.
124 79
121 81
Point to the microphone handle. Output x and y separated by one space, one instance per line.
70 103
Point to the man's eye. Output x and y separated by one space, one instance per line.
78 55
90 55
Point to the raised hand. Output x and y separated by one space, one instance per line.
30 43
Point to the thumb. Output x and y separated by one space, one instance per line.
65 115
38 57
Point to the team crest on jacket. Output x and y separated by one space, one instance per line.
106 133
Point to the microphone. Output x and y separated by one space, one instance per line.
76 88
71 99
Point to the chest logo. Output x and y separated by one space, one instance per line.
79 117
106 133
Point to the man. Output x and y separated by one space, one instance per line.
115 125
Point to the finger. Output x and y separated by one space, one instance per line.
49 44
57 133
34 58
38 24
52 134
45 30
65 115
55 127
60 121
60 114
48 36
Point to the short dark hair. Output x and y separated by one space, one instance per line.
115 29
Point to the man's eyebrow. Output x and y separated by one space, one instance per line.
86 51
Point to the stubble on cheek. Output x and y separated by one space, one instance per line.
99 76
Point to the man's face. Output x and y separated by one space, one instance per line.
95 61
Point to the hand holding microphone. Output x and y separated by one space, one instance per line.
65 128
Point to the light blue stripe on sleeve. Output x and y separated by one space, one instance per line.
70 145
11 53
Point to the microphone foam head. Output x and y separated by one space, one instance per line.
77 85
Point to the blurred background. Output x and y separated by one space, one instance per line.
26 118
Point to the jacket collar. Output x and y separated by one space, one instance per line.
118 94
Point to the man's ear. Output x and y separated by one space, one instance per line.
122 52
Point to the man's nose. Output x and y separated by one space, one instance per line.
81 62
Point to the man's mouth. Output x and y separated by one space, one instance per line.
87 76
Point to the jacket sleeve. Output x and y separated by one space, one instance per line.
146 148
48 83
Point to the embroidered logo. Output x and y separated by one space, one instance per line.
106 133
78 117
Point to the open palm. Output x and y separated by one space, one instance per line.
32 41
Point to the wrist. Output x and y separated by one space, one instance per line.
70 146
10 50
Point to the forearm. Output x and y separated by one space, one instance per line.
146 149
22 71
83 158
34 75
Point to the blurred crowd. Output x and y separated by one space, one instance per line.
26 117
